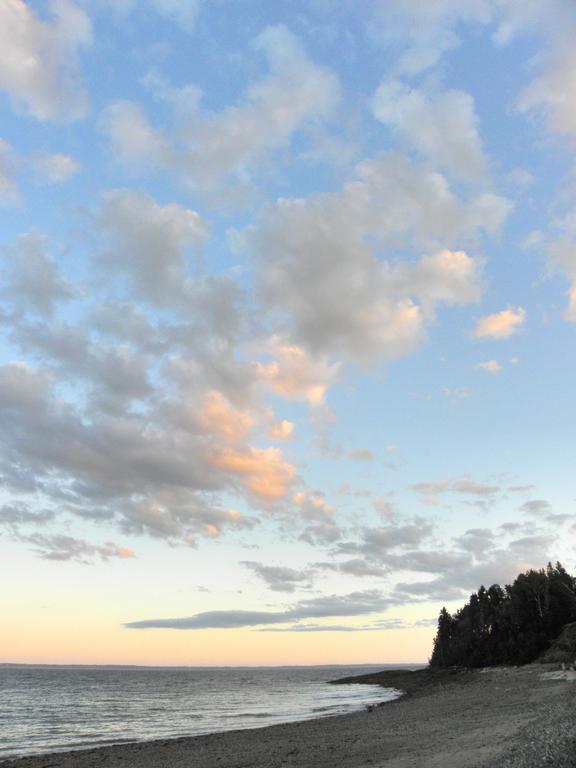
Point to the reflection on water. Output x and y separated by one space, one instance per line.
45 709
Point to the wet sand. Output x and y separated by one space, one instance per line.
496 718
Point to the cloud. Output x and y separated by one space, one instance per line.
219 417
321 267
52 168
490 366
384 507
441 125
361 454
34 280
477 540
38 59
147 243
264 472
353 604
60 547
313 506
281 430
379 626
294 374
43 167
488 563
183 12
279 578
537 507
464 485
359 567
426 31
17 514
321 533
500 325
561 249
132 137
7 183
221 151
144 472
378 543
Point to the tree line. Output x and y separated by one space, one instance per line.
510 625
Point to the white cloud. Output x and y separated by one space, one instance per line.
148 242
281 429
38 59
562 257
490 366
7 184
183 12
53 168
294 374
441 125
133 139
217 153
33 280
500 325
320 262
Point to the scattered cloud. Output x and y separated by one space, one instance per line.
537 507
490 366
33 280
222 151
60 547
318 270
39 59
294 374
7 183
441 125
280 578
52 168
500 325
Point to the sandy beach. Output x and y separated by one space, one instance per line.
494 718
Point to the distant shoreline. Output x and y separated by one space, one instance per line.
492 718
400 665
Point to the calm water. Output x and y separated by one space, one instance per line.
45 709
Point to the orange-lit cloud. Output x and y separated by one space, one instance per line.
500 325
295 375
281 430
219 417
264 472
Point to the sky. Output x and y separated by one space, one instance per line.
287 311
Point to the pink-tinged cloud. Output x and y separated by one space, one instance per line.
500 325
264 472
295 375
220 418
281 430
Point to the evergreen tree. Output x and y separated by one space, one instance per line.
513 625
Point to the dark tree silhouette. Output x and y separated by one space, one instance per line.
513 625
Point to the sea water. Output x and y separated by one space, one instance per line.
45 709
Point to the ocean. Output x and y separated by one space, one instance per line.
46 709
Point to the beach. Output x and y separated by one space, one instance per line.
491 718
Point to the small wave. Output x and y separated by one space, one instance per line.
240 715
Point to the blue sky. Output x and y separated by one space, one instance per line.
288 303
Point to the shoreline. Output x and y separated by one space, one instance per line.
491 718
